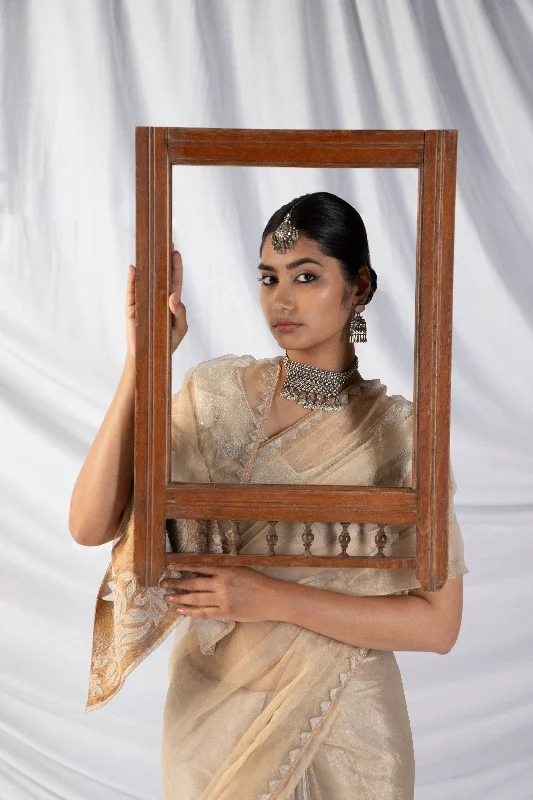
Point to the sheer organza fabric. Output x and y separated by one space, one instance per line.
271 710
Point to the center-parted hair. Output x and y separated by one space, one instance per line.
335 226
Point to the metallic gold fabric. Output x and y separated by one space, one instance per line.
271 710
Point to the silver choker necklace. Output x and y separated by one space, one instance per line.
313 387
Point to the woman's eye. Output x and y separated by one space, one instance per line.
303 277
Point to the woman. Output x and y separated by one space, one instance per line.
285 685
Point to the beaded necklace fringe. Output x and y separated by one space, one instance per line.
314 387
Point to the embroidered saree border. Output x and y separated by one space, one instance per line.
306 737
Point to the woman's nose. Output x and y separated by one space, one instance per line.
283 299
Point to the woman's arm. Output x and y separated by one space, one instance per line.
421 620
418 621
104 484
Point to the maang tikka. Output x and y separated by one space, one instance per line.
285 235
358 325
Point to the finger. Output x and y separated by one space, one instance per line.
186 601
176 281
207 570
130 289
176 585
194 584
175 303
191 599
203 613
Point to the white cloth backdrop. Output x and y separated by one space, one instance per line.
78 76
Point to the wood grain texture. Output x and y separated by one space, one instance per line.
284 502
152 352
426 505
142 494
351 562
293 148
433 355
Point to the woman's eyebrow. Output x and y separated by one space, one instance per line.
292 264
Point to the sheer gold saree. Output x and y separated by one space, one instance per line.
272 710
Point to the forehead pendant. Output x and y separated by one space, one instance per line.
285 235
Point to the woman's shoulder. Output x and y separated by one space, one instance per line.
231 370
373 387
232 361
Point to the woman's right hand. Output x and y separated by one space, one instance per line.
179 314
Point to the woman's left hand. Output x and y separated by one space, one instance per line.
239 593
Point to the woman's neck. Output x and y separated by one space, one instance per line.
335 359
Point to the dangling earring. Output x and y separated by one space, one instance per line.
358 326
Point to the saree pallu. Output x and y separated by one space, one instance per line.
270 710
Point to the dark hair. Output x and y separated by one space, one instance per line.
335 225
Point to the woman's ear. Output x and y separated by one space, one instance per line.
363 285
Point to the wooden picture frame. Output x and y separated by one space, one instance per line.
156 498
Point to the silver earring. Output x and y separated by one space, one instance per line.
358 326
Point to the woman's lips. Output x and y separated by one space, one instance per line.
287 327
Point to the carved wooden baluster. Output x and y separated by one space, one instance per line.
344 539
307 538
202 535
215 536
272 538
171 526
381 540
233 538
223 536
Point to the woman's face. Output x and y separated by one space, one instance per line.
305 299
